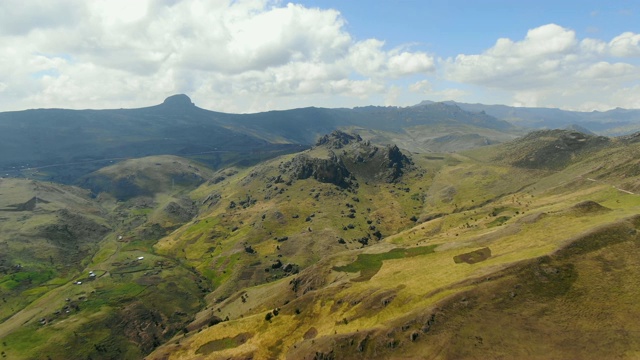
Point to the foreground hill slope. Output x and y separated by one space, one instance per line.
348 250
476 258
46 232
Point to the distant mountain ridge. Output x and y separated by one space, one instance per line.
45 137
50 138
305 125
613 122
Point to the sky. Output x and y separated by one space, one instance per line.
258 55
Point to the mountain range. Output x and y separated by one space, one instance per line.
45 137
63 145
611 122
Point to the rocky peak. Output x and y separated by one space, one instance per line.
180 100
338 139
355 160
395 156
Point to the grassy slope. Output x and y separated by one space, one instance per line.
213 246
31 263
460 203
105 316
519 214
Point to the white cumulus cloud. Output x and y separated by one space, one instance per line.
625 45
255 55
551 67
539 58
107 53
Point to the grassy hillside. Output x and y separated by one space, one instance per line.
467 240
146 177
79 274
47 232
348 250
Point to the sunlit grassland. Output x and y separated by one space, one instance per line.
220 263
108 248
34 265
598 306
213 243
420 282
368 265
50 281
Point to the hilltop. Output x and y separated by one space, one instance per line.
146 177
552 149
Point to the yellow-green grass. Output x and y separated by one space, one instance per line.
43 297
518 214
424 280
369 264
597 307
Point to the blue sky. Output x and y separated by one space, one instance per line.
466 26
258 55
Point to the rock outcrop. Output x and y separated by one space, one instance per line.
350 158
337 140
179 101
331 170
